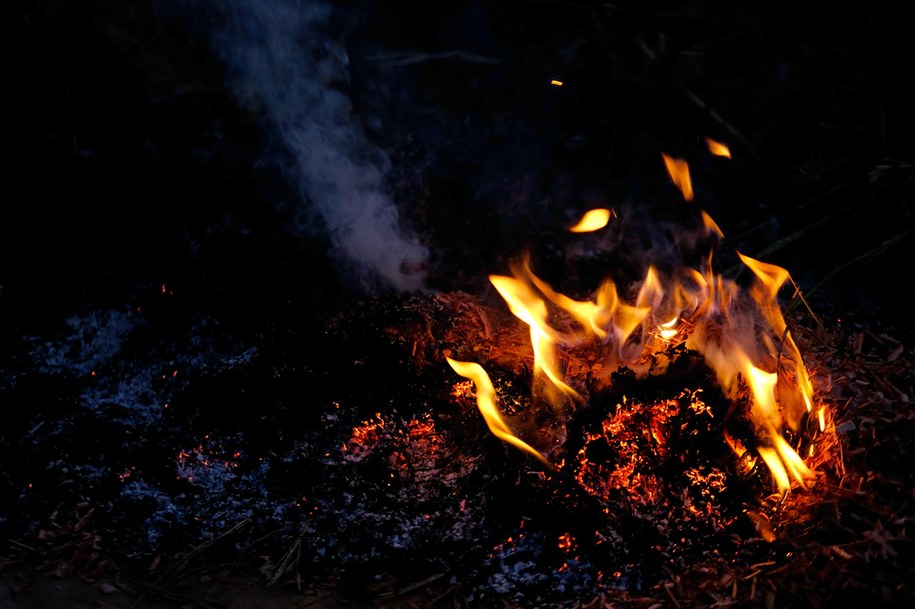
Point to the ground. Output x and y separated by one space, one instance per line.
176 288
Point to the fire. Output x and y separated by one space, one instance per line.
486 402
593 220
717 148
740 332
711 227
679 175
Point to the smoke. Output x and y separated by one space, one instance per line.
284 64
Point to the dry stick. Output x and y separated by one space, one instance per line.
789 212
713 114
881 248
785 241
410 587
295 550
22 546
181 564
238 560
798 296
394 60
670 595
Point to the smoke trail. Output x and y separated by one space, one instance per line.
283 64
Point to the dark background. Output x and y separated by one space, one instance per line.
130 163
149 205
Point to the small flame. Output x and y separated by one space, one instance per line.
678 170
668 329
717 148
711 227
486 402
556 83
593 220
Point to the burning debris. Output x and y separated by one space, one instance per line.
671 413
742 336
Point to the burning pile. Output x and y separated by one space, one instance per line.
691 319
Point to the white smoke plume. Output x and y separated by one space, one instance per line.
283 64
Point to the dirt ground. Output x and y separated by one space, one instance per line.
45 591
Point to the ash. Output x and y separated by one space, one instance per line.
347 448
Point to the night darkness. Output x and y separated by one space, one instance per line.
217 211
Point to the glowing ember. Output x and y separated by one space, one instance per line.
364 438
593 220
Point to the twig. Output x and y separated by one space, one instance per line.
185 600
784 241
395 60
667 586
798 296
295 550
22 546
882 247
788 212
410 587
181 564
713 114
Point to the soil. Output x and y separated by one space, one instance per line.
50 592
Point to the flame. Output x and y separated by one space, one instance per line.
527 306
711 227
486 402
770 280
679 175
593 220
717 148
742 335
764 412
668 330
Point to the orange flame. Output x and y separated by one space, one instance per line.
678 170
710 225
593 220
717 148
486 403
744 339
